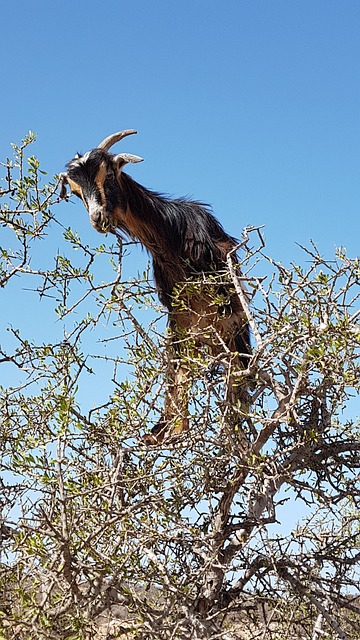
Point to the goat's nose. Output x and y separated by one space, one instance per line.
95 215
98 218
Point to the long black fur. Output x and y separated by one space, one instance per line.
183 236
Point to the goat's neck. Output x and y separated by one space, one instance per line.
141 215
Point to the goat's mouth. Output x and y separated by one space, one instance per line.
101 220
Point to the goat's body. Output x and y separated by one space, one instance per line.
189 248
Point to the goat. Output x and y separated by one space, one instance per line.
187 244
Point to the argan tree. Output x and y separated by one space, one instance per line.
244 527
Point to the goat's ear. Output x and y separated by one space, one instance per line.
124 158
63 181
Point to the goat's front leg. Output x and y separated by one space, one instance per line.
175 419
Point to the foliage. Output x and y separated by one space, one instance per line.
105 537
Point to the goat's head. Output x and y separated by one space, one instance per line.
95 178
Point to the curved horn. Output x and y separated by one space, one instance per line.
115 137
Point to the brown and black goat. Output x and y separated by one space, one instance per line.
189 249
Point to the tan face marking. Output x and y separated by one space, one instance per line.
75 188
99 181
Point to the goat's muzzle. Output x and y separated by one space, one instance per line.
99 218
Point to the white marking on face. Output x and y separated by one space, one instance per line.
93 206
82 159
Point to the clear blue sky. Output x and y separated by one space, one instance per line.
250 105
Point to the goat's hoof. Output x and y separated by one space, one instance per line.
156 435
149 440
163 432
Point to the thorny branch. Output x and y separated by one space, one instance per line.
186 540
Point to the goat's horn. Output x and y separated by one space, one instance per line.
115 137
